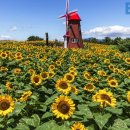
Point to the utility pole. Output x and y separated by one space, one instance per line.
46 34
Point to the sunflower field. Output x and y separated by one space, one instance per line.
45 88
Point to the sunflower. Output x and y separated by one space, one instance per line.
18 54
87 76
25 96
95 79
78 126
116 70
113 83
17 71
9 85
101 73
107 61
122 72
111 67
3 69
3 55
31 71
128 73
51 74
72 68
63 107
95 65
73 72
74 90
18 58
58 63
69 77
6 105
89 87
63 86
109 78
51 67
44 75
104 98
127 60
36 79
128 96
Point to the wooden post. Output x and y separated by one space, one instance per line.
47 44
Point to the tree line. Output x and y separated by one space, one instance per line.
122 44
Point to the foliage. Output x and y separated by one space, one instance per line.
96 65
34 38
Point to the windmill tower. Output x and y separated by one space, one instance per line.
73 36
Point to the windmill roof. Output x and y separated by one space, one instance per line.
74 16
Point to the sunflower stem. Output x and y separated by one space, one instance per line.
5 121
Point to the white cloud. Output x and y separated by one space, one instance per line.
109 31
13 28
5 37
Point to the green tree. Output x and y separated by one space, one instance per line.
34 38
107 40
117 40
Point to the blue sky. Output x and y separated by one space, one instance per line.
22 18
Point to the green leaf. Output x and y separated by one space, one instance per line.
101 120
43 107
46 115
10 121
47 126
127 81
51 99
1 126
85 111
21 126
1 119
91 127
76 97
33 121
43 88
127 121
119 125
51 125
36 120
18 108
77 116
50 91
116 111
10 128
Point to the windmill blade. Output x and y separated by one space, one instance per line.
62 16
67 6
73 11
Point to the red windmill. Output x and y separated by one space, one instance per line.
73 36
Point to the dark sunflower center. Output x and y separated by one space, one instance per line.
86 75
113 83
63 107
52 67
18 57
3 55
63 85
73 89
25 95
72 73
36 79
69 77
106 97
44 75
128 60
4 105
10 86
89 86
